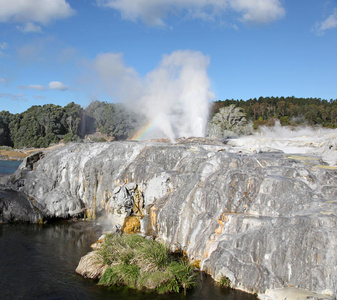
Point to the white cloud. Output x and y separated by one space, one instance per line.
40 11
57 85
328 23
121 81
31 52
258 11
3 45
3 80
28 12
154 12
32 87
14 97
39 97
29 27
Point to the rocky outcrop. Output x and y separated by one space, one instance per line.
16 207
265 220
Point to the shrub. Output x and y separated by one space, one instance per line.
183 272
143 264
70 137
225 282
123 274
230 121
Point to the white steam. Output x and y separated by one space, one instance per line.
174 96
302 140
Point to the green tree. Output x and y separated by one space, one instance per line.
72 116
229 121
113 119
5 119
40 126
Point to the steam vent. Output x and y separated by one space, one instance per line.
265 219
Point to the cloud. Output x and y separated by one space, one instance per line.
329 23
13 97
154 12
57 85
66 54
175 96
258 11
117 79
39 97
31 53
5 81
32 87
39 49
3 46
29 27
28 12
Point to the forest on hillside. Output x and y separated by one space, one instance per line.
40 126
288 110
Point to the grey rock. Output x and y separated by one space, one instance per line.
16 207
29 162
265 220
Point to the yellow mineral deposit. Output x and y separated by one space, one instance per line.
131 225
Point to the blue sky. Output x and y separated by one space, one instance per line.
59 51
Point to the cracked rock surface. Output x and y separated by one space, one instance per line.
264 220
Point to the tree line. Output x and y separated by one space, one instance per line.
288 110
40 126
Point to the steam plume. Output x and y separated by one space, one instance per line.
300 140
175 96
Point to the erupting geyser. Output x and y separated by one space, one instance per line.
177 95
174 96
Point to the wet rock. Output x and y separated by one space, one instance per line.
264 220
292 293
90 267
16 207
29 162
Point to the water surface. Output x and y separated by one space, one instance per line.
9 166
39 262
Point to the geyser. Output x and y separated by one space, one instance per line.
174 96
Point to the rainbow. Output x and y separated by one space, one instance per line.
140 134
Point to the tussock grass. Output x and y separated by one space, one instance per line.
143 264
225 282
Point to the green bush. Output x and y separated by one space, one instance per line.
126 274
183 272
143 264
70 137
225 282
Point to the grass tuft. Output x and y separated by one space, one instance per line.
225 282
143 264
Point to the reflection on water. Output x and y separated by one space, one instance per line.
38 262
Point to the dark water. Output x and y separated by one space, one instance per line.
39 262
8 166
